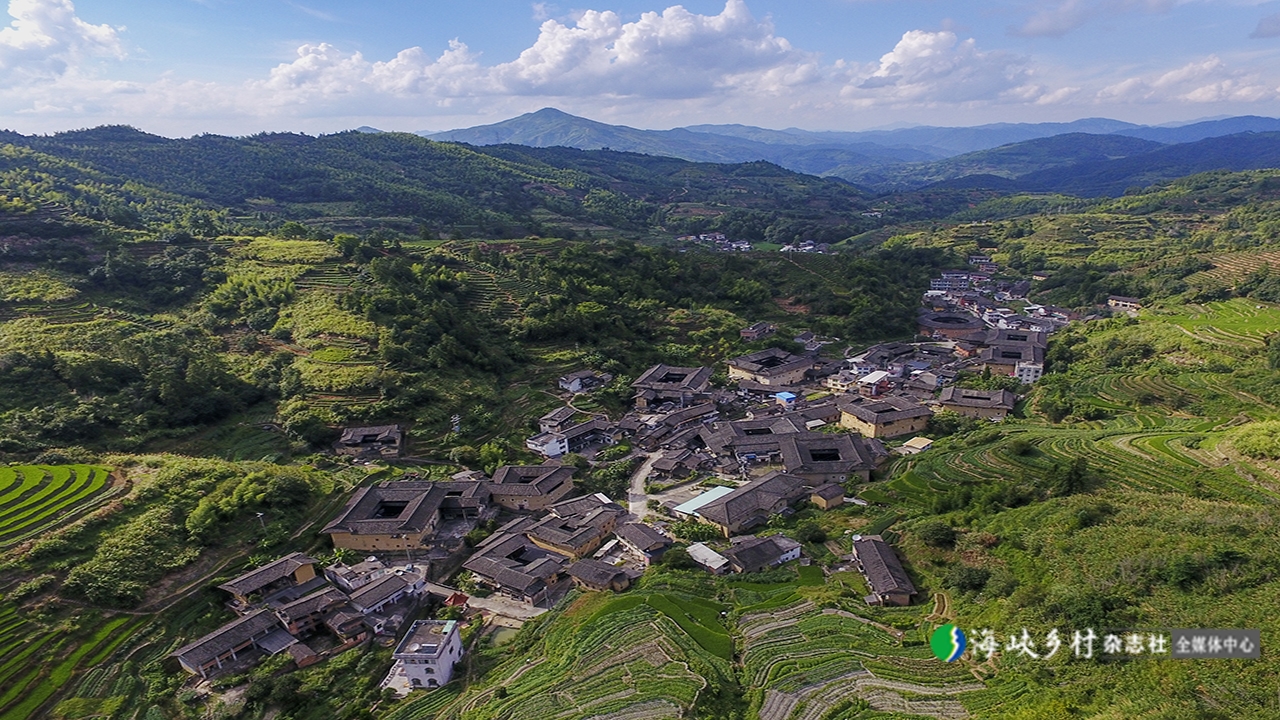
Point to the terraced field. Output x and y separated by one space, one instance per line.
603 659
1240 322
1227 269
804 663
34 498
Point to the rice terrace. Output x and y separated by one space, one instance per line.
34 498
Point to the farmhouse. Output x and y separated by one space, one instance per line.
667 384
290 571
511 564
576 527
754 503
306 614
757 331
710 560
885 418
573 438
530 487
643 540
382 441
982 404
556 420
771 366
1124 303
594 575
885 575
827 496
386 590
404 515
584 381
228 642
917 444
760 553
1004 359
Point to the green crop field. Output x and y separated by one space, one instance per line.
34 498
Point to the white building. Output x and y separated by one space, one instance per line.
427 653
709 559
1028 372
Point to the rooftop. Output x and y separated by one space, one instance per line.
426 637
530 479
232 635
886 410
880 565
753 499
691 507
406 506
965 397
255 580
594 572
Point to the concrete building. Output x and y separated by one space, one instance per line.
428 653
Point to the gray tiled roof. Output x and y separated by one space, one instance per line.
532 480
422 501
232 635
757 498
886 410
880 565
255 580
759 553
963 397
594 572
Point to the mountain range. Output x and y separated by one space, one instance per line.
1092 156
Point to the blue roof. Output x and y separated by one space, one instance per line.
691 507
785 396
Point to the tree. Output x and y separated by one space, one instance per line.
936 534
809 531
677 558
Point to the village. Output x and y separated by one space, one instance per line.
792 428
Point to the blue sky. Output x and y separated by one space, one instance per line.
182 67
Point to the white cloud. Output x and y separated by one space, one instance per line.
1056 20
46 39
1210 80
939 67
670 67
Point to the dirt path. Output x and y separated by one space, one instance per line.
637 499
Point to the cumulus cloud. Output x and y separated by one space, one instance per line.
939 67
1202 81
672 54
46 39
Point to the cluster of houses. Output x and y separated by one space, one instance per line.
716 241
287 606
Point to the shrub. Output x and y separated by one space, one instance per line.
967 577
1259 440
936 534
809 531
